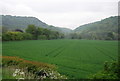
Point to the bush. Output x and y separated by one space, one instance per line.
11 36
110 71
42 37
10 60
34 70
27 36
6 37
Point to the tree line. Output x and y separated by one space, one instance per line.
31 33
94 36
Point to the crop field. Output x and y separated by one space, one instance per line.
74 58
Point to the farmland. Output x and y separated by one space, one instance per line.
74 58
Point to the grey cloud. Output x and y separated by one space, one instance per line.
65 13
67 7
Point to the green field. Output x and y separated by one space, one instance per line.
74 58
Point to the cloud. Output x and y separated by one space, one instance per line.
63 13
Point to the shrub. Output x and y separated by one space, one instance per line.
11 36
27 36
9 60
110 71
34 70
42 37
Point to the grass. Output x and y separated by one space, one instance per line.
7 73
74 58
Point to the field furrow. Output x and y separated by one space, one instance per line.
74 58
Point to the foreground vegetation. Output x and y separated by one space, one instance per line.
110 71
17 68
74 58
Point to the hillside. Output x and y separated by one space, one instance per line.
105 29
14 22
99 29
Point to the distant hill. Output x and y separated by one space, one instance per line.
104 29
19 22
100 29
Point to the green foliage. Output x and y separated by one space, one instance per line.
106 29
42 33
7 73
27 36
110 35
110 71
20 22
74 58
42 37
29 69
93 31
32 33
75 36
54 35
11 36
32 30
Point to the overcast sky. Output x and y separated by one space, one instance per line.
62 13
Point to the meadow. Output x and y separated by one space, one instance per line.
74 58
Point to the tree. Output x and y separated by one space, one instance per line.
47 33
32 30
110 35
61 35
40 31
27 36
